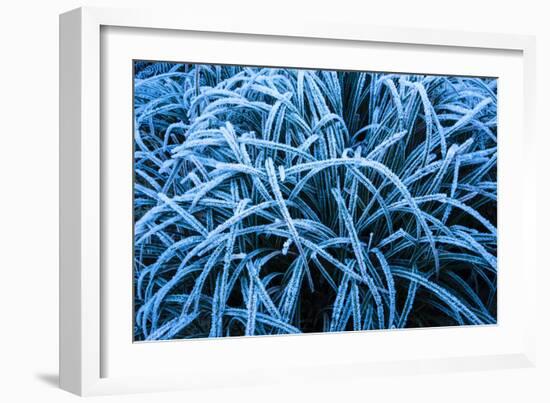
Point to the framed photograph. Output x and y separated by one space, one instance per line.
246 202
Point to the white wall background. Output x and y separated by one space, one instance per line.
29 200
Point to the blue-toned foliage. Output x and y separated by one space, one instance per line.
274 201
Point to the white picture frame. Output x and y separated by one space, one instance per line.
85 343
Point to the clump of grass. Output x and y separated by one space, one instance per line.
274 201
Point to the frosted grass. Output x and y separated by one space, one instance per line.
278 201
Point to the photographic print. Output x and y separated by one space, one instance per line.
275 200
